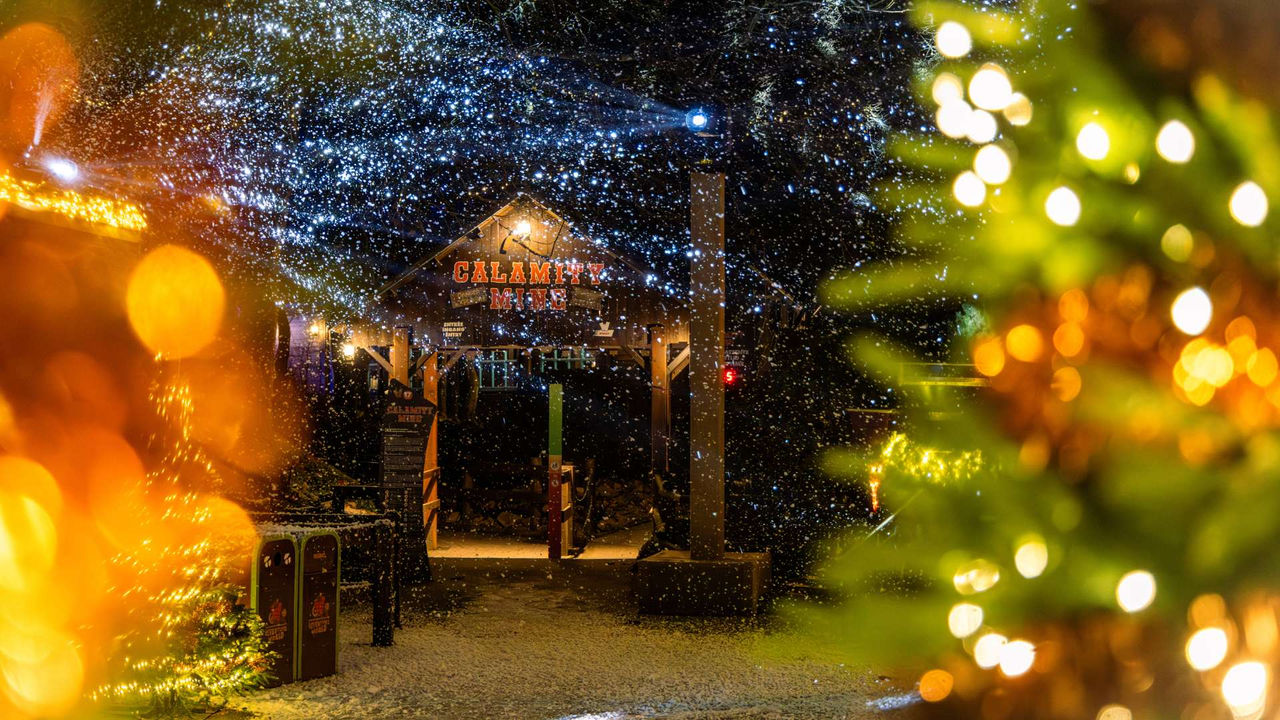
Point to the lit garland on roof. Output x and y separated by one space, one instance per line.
73 205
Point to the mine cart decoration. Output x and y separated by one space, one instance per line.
317 611
272 593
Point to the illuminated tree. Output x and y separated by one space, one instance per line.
1111 553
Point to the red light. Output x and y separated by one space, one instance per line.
730 375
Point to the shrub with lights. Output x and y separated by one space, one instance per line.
1104 545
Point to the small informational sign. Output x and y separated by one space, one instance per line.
468 297
605 330
453 329
584 298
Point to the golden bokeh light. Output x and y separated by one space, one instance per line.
1175 142
1093 142
1262 367
953 118
1207 648
992 164
49 686
964 619
1018 111
1248 204
1073 306
1244 688
1016 657
953 39
1062 206
946 87
1024 342
969 189
175 302
1136 591
989 88
988 357
935 685
1177 243
976 576
1031 557
1192 311
1066 383
986 652
1115 712
1068 339
981 127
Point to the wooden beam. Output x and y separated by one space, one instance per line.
431 464
454 357
377 357
635 356
660 402
401 347
706 362
678 365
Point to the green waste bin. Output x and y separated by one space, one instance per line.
317 613
273 583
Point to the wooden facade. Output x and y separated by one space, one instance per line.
526 278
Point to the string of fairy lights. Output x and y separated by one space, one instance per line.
41 197
183 639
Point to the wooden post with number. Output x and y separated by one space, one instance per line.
555 495
706 362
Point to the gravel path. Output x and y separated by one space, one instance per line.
532 645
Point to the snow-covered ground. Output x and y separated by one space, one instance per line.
534 643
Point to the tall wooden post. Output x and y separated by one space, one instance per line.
555 499
706 362
431 465
660 402
401 346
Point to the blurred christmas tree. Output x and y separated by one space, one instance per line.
1089 531
183 641
186 642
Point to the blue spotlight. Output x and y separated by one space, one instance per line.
62 168
697 120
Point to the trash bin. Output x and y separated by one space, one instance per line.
317 614
273 585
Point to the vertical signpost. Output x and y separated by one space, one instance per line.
555 501
406 428
706 360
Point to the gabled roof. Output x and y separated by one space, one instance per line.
521 202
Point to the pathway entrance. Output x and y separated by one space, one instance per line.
621 545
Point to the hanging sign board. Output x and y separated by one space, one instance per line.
468 297
584 298
453 329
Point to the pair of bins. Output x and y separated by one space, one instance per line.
293 585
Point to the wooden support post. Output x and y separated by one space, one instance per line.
706 360
431 466
555 501
383 592
660 402
401 347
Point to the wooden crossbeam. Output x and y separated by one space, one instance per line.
637 357
378 358
679 364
